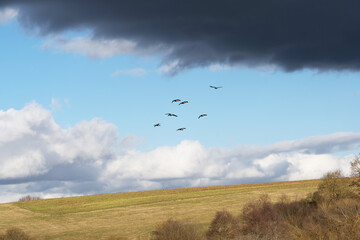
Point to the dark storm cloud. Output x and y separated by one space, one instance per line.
291 34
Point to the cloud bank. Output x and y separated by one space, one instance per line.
291 35
39 157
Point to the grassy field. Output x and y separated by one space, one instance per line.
135 214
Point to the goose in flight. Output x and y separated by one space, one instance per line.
202 115
171 114
157 125
183 102
180 129
175 100
215 87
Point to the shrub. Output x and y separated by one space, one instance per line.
177 230
15 234
332 212
28 198
294 212
263 219
333 187
340 220
223 226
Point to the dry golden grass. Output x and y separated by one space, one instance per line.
135 215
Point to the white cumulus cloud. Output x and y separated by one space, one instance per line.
32 143
39 157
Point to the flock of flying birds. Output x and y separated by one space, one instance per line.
181 103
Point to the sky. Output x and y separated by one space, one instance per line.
84 82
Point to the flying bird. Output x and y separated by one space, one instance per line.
175 100
180 129
171 114
183 102
215 87
157 125
202 115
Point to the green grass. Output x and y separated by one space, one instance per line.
135 214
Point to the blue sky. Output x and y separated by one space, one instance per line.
255 106
106 101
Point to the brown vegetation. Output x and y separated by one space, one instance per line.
267 220
223 226
332 212
178 230
15 234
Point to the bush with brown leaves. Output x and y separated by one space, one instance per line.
178 230
15 234
223 226
265 220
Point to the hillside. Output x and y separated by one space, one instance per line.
135 214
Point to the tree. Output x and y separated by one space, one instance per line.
355 166
355 172
334 187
